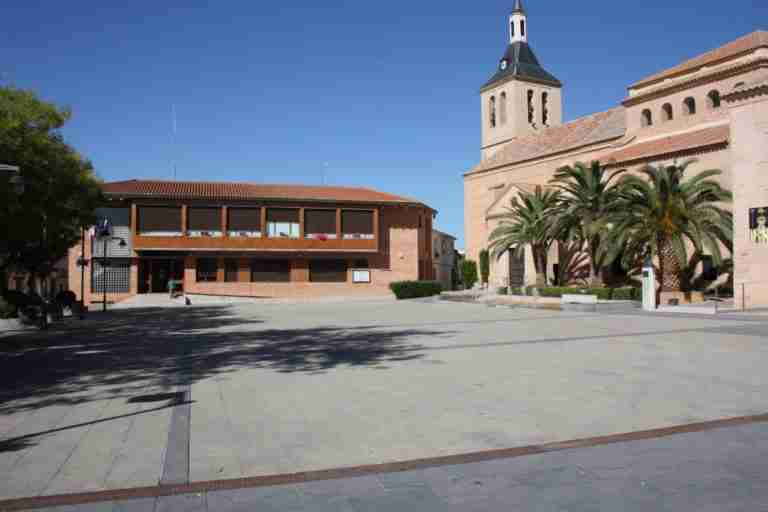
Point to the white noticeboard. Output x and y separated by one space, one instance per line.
361 276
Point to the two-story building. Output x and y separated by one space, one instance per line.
249 240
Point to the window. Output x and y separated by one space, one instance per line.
270 271
244 222
545 109
115 276
646 118
283 223
689 106
713 100
207 270
328 271
666 112
503 108
522 28
204 221
361 272
492 111
530 108
159 220
357 224
320 224
512 29
231 271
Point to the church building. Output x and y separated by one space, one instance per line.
713 108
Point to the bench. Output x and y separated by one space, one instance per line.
579 299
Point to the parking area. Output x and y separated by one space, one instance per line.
143 396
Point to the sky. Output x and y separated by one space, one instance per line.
351 93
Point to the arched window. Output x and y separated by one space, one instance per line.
492 111
545 109
666 112
713 99
512 29
647 118
531 112
689 106
522 28
503 108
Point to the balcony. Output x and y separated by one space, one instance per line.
239 229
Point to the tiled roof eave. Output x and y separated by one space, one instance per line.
699 150
712 77
546 156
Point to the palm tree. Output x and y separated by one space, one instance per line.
589 198
663 214
528 221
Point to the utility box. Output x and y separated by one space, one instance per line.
649 286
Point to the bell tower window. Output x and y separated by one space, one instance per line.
522 28
531 112
492 111
503 108
545 109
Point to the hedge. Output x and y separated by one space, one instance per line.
415 289
602 293
503 290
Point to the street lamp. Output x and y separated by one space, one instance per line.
104 232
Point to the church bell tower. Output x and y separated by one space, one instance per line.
521 98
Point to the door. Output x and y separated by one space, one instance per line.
145 275
516 270
161 273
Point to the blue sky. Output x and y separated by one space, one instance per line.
380 94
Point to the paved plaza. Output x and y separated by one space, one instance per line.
140 397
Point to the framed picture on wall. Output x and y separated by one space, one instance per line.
758 225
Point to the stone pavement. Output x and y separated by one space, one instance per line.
715 471
143 396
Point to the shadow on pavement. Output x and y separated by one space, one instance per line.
129 354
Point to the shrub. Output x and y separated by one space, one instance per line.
415 289
485 266
626 293
529 290
469 273
516 291
503 291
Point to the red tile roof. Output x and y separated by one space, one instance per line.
750 42
669 146
248 192
584 131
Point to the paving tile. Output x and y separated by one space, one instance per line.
266 499
183 503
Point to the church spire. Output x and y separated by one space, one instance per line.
518 24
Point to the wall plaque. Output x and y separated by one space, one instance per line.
758 225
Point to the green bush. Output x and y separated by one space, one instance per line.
626 293
503 290
516 291
602 293
469 273
415 289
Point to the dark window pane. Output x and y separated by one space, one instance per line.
270 271
244 219
282 215
231 271
320 221
204 219
354 222
159 218
207 270
328 271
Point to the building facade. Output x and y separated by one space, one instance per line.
248 240
713 108
444 257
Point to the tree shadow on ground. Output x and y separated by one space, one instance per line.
127 353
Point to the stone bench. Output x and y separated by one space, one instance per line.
579 299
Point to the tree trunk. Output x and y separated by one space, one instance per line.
669 267
540 264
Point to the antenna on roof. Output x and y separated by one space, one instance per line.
173 139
